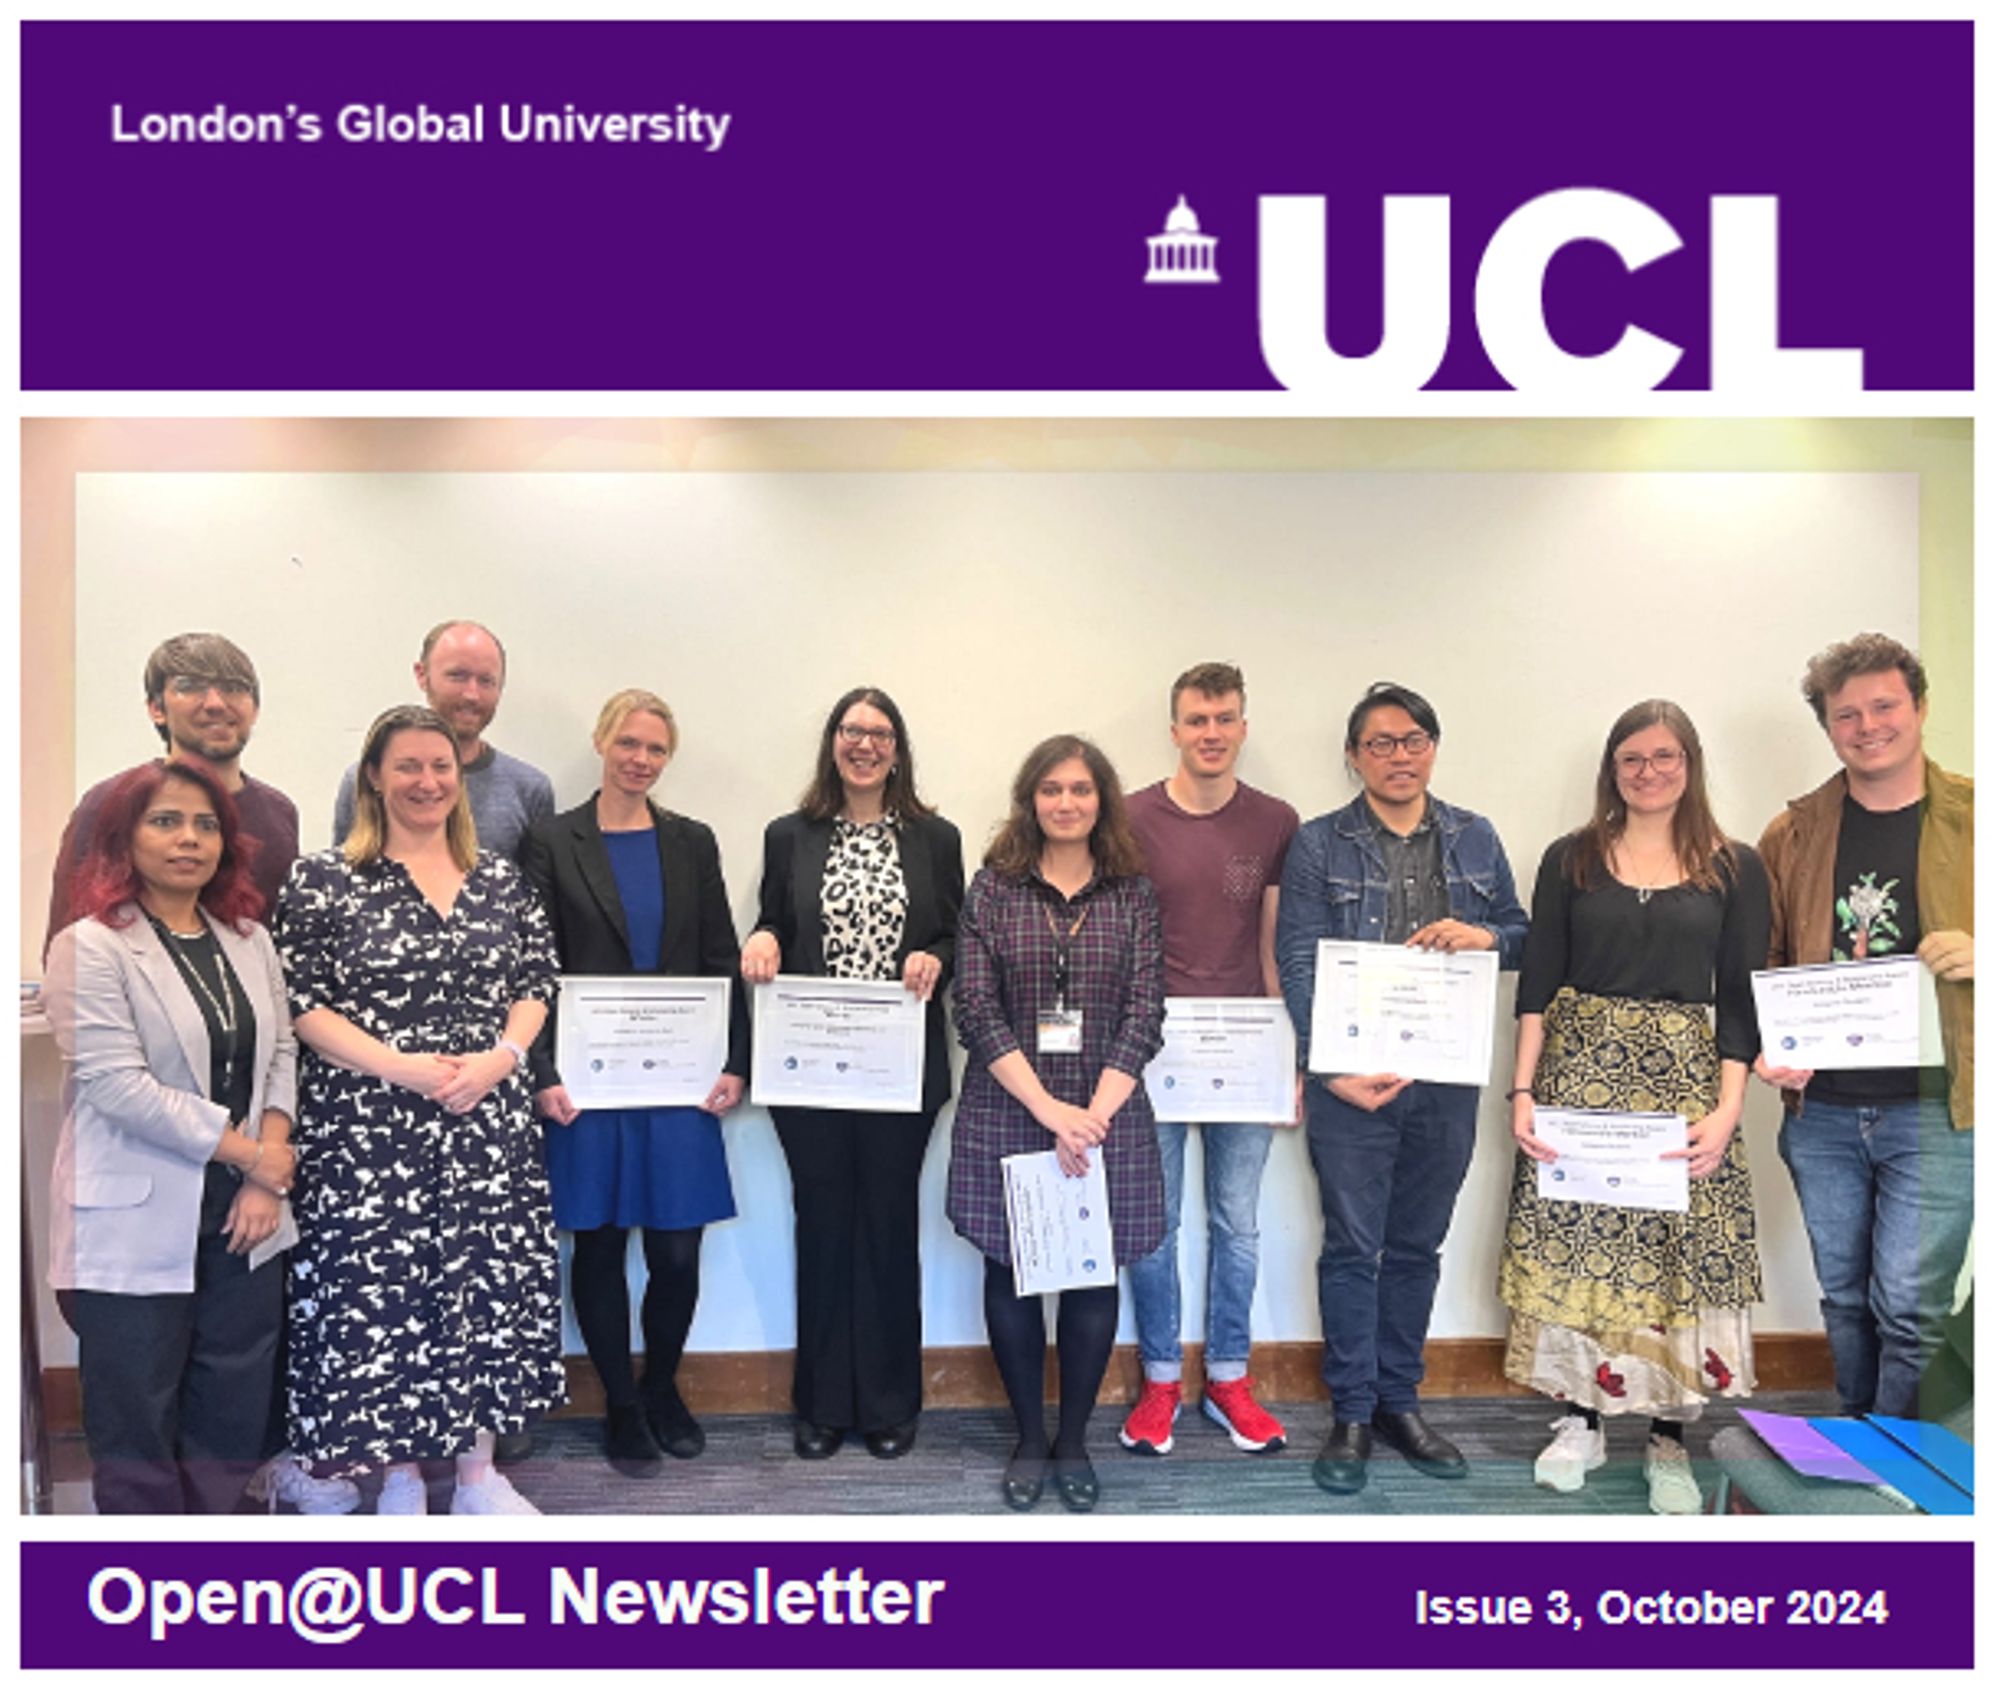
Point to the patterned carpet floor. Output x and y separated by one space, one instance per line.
955 1467
749 1468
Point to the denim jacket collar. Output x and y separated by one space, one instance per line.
1355 822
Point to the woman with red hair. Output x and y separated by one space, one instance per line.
174 1163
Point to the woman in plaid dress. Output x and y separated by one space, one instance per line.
1060 998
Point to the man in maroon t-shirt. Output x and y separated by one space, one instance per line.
202 696
1215 848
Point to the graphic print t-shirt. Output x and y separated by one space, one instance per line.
1875 916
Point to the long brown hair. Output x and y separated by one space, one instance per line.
826 797
1016 848
370 833
1700 846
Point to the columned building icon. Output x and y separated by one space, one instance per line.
1183 252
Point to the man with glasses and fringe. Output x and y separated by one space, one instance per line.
202 696
1399 866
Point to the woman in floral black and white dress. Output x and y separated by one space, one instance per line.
863 880
425 1308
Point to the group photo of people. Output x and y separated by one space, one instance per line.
318 1141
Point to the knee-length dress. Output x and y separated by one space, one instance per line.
1009 937
425 1299
661 1167
1637 1310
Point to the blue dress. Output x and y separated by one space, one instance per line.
650 1168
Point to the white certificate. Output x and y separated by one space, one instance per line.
827 1044
624 1041
1225 1060
1876 1013
1401 1010
1058 1225
1613 1156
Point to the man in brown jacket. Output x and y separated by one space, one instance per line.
1877 862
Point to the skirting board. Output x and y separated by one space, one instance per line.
760 1381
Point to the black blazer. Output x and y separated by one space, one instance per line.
795 851
566 860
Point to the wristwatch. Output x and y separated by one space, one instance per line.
520 1054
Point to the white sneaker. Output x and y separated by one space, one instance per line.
493 1497
403 1493
1670 1477
1577 1450
291 1483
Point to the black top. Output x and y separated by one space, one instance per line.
1693 945
788 906
1875 916
569 866
217 993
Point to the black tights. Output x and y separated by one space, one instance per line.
1671 1429
604 1307
1086 1322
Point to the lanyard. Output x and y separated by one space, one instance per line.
1062 941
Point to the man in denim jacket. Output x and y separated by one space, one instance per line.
1395 865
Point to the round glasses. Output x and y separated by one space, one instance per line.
1662 762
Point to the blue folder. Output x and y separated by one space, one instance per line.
1943 1451
1883 1455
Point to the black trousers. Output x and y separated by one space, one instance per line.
854 1199
177 1388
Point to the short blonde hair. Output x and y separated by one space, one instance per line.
622 706
370 833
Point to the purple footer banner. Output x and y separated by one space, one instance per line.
968 1605
1348 210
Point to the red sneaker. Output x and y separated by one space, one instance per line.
1230 1403
1149 1428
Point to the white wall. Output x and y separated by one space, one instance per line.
998 607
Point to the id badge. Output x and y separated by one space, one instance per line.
1059 1031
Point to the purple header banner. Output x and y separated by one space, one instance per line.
1552 207
1711 1605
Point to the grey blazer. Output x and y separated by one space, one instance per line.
139 1128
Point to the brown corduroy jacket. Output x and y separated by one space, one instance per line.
1798 851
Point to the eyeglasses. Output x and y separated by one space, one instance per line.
1416 744
876 735
1662 762
188 687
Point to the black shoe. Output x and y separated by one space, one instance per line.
510 1448
1425 1449
674 1428
1021 1483
893 1443
629 1445
1076 1483
1342 1466
814 1442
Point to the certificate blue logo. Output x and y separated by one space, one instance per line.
791 1062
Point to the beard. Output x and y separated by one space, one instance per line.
213 752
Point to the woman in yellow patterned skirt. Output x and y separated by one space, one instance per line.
1643 919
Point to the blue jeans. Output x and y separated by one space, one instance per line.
1233 1155
1388 1180
1887 1197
